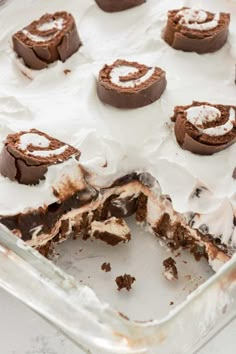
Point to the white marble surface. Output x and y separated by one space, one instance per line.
24 332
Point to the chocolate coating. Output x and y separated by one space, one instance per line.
190 138
179 37
39 47
21 165
142 94
118 5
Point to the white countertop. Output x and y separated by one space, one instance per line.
24 332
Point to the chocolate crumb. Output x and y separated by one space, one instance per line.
67 71
125 282
48 250
171 272
124 316
106 267
172 303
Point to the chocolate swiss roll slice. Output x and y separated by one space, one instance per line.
118 5
193 30
205 128
53 37
26 156
127 84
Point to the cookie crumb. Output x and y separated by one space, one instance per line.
171 272
106 267
67 71
125 282
172 303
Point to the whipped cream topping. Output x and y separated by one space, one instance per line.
197 19
115 142
202 114
120 71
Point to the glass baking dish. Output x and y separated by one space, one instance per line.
78 298
92 323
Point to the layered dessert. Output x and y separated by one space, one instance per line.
72 166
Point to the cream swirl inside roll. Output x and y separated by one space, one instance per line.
39 141
126 84
43 29
200 115
197 19
130 76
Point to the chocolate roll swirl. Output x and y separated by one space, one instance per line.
127 84
205 128
197 31
53 37
27 155
118 5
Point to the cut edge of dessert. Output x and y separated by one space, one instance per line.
83 210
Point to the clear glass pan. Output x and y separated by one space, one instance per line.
94 325
87 315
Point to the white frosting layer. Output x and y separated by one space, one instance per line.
112 226
122 70
199 115
113 141
197 19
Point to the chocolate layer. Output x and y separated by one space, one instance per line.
190 39
195 137
82 214
120 5
25 156
53 37
112 231
136 89
44 219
